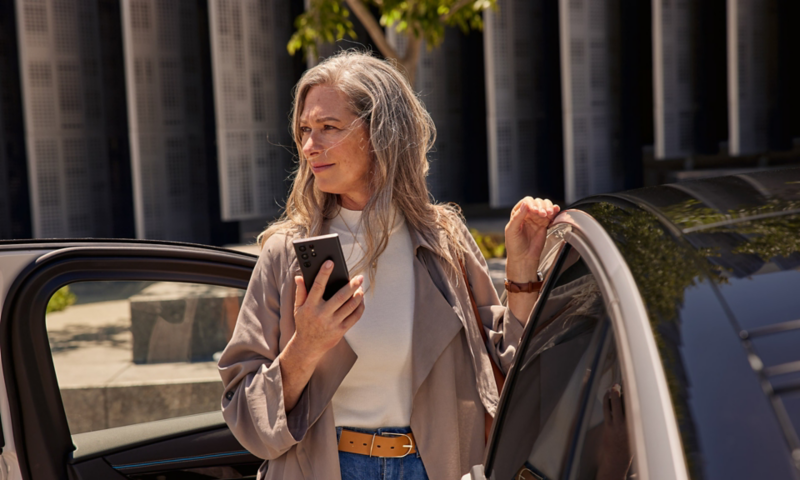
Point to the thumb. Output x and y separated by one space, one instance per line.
300 294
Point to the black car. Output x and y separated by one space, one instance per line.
683 299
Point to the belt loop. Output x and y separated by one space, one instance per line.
372 445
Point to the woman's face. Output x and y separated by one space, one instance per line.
335 144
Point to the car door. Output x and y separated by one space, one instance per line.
556 418
108 356
586 397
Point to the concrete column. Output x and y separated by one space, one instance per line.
752 68
590 95
252 84
166 118
64 118
515 78
674 109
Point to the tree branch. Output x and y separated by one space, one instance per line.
373 27
458 6
411 57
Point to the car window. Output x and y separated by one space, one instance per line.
554 381
601 447
134 352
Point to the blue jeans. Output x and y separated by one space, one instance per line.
363 467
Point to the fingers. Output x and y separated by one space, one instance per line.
349 306
518 214
343 295
536 210
300 294
617 415
320 281
351 319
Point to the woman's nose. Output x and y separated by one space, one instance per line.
311 146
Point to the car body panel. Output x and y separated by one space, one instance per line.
12 263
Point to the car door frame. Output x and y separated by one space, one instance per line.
653 428
37 413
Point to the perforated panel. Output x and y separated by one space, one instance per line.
438 83
165 113
67 156
515 104
252 84
590 95
674 44
751 72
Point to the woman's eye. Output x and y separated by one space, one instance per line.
329 127
305 129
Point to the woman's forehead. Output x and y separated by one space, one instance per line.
323 102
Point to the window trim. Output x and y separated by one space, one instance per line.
39 420
657 447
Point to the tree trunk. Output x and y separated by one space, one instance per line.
410 58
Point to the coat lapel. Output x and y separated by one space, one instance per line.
435 325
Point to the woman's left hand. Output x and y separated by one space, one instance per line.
526 232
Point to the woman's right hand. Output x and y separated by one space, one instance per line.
320 324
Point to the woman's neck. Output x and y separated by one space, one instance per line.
353 202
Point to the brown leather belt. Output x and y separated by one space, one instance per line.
392 445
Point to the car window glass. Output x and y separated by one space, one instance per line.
551 378
602 449
134 352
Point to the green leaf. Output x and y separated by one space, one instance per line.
60 300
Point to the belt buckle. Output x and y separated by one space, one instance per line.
409 447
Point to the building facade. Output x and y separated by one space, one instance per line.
168 119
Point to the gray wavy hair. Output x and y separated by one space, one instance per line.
401 134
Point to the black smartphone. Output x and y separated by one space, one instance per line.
312 253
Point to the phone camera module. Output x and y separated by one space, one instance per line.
302 248
307 265
305 256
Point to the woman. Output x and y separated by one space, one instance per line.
390 376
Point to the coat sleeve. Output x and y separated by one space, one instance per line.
503 329
252 401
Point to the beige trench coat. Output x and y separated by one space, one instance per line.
452 380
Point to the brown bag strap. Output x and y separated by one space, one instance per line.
499 377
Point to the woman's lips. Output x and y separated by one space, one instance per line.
321 168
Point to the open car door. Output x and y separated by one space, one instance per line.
114 376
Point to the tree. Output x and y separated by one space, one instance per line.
419 20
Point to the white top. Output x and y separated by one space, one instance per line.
377 390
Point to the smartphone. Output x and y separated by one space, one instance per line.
312 253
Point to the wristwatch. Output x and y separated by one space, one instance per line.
529 287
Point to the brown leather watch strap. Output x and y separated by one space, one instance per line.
392 445
530 287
